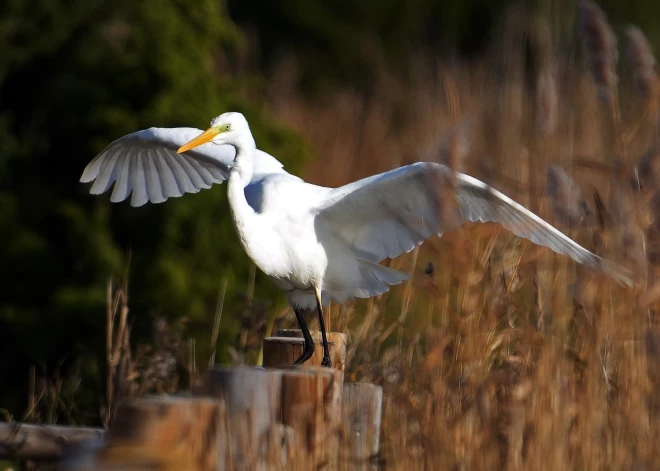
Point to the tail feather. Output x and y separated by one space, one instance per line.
377 279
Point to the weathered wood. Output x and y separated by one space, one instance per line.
252 436
42 442
311 405
284 348
361 415
165 433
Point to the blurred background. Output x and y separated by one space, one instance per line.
493 346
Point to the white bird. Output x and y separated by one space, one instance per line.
318 244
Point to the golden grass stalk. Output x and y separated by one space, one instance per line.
477 374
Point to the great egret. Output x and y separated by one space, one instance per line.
318 244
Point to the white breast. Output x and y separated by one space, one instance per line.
286 247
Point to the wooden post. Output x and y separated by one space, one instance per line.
287 345
361 415
311 405
166 433
250 418
252 436
42 442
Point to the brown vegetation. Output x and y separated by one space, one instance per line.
499 354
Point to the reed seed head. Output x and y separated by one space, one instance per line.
642 62
568 204
600 47
547 102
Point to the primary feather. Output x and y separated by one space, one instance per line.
146 163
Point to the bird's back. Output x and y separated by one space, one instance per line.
282 192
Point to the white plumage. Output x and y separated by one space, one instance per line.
147 164
310 239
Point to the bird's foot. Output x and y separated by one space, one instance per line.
306 354
326 362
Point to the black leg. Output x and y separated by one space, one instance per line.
308 349
326 350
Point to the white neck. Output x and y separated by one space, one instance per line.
240 176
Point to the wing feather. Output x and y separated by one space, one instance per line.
216 174
93 168
387 214
203 173
153 180
140 195
169 186
183 180
146 164
191 171
123 185
106 174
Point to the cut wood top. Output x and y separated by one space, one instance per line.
285 347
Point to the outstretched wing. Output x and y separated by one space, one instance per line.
387 214
147 164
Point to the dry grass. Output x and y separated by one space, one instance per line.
499 354
133 371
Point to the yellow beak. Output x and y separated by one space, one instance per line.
203 138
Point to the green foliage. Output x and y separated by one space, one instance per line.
73 77
348 42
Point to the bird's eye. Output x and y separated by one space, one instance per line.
226 127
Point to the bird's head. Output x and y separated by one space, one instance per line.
228 128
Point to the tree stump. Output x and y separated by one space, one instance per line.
165 433
43 442
311 406
252 435
250 418
284 348
361 414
